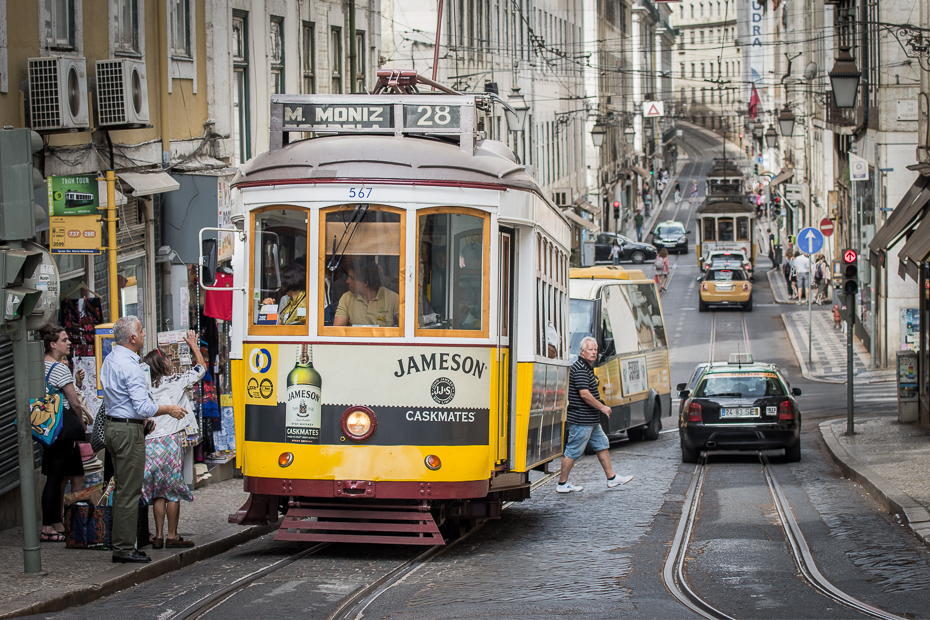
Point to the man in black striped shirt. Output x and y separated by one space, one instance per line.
584 420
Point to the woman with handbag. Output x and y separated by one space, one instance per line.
61 461
163 486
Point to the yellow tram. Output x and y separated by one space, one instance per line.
726 219
400 319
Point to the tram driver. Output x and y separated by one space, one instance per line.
366 302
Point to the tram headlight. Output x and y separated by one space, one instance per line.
432 462
359 423
285 459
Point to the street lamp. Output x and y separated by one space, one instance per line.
629 135
844 78
786 122
757 129
517 117
598 133
771 136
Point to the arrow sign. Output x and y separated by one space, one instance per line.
810 240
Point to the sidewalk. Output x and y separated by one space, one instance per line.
890 461
828 363
77 576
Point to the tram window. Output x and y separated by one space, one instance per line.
742 229
581 323
710 229
361 266
636 308
725 229
279 277
451 272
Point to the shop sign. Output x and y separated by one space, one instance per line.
73 195
79 234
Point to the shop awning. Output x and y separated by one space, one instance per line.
584 205
149 183
781 177
640 171
102 193
904 216
916 249
580 221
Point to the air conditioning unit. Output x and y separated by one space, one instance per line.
122 93
58 93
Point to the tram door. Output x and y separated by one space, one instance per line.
505 339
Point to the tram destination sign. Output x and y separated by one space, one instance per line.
319 117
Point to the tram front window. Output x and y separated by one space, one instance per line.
450 272
742 229
725 229
361 265
710 231
280 267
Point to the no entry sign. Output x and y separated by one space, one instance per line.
826 226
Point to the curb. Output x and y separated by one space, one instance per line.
123 576
887 493
776 286
805 371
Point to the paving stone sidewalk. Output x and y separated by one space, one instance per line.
828 362
78 576
890 460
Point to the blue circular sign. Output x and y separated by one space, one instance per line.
810 240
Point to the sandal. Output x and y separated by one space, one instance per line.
178 542
158 543
54 537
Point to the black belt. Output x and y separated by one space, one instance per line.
126 420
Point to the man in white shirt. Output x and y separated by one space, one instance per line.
802 265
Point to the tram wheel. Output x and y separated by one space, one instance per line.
637 257
651 430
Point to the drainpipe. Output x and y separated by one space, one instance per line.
165 66
353 61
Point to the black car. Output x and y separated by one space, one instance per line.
629 250
670 235
739 405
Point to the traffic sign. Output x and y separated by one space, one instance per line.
652 109
826 226
810 240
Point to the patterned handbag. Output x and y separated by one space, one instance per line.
47 413
88 526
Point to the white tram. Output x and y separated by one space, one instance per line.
423 275
726 219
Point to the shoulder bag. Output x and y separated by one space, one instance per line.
97 437
46 413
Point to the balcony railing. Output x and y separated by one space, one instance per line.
852 117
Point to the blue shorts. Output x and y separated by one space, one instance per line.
581 435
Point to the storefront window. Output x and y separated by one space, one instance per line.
742 229
129 280
710 229
279 277
361 265
725 229
451 265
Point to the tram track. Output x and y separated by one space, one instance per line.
674 571
356 603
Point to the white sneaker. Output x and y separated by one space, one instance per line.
617 480
567 488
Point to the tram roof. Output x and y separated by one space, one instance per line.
712 207
386 158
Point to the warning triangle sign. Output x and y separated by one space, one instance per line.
653 110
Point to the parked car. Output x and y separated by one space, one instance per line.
670 235
630 251
740 405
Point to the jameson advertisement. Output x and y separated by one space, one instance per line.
73 195
299 393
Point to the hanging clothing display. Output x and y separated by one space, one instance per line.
78 318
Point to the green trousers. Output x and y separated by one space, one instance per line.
126 444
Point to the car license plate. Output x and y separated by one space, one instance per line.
724 288
740 412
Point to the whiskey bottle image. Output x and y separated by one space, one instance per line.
303 412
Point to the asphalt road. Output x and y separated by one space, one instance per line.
600 553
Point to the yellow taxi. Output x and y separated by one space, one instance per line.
726 286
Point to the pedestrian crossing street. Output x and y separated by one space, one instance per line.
878 393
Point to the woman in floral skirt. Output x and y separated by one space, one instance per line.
163 486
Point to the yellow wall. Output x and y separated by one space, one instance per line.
187 110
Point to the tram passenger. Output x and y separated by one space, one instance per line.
366 302
292 308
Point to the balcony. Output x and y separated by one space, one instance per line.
844 121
